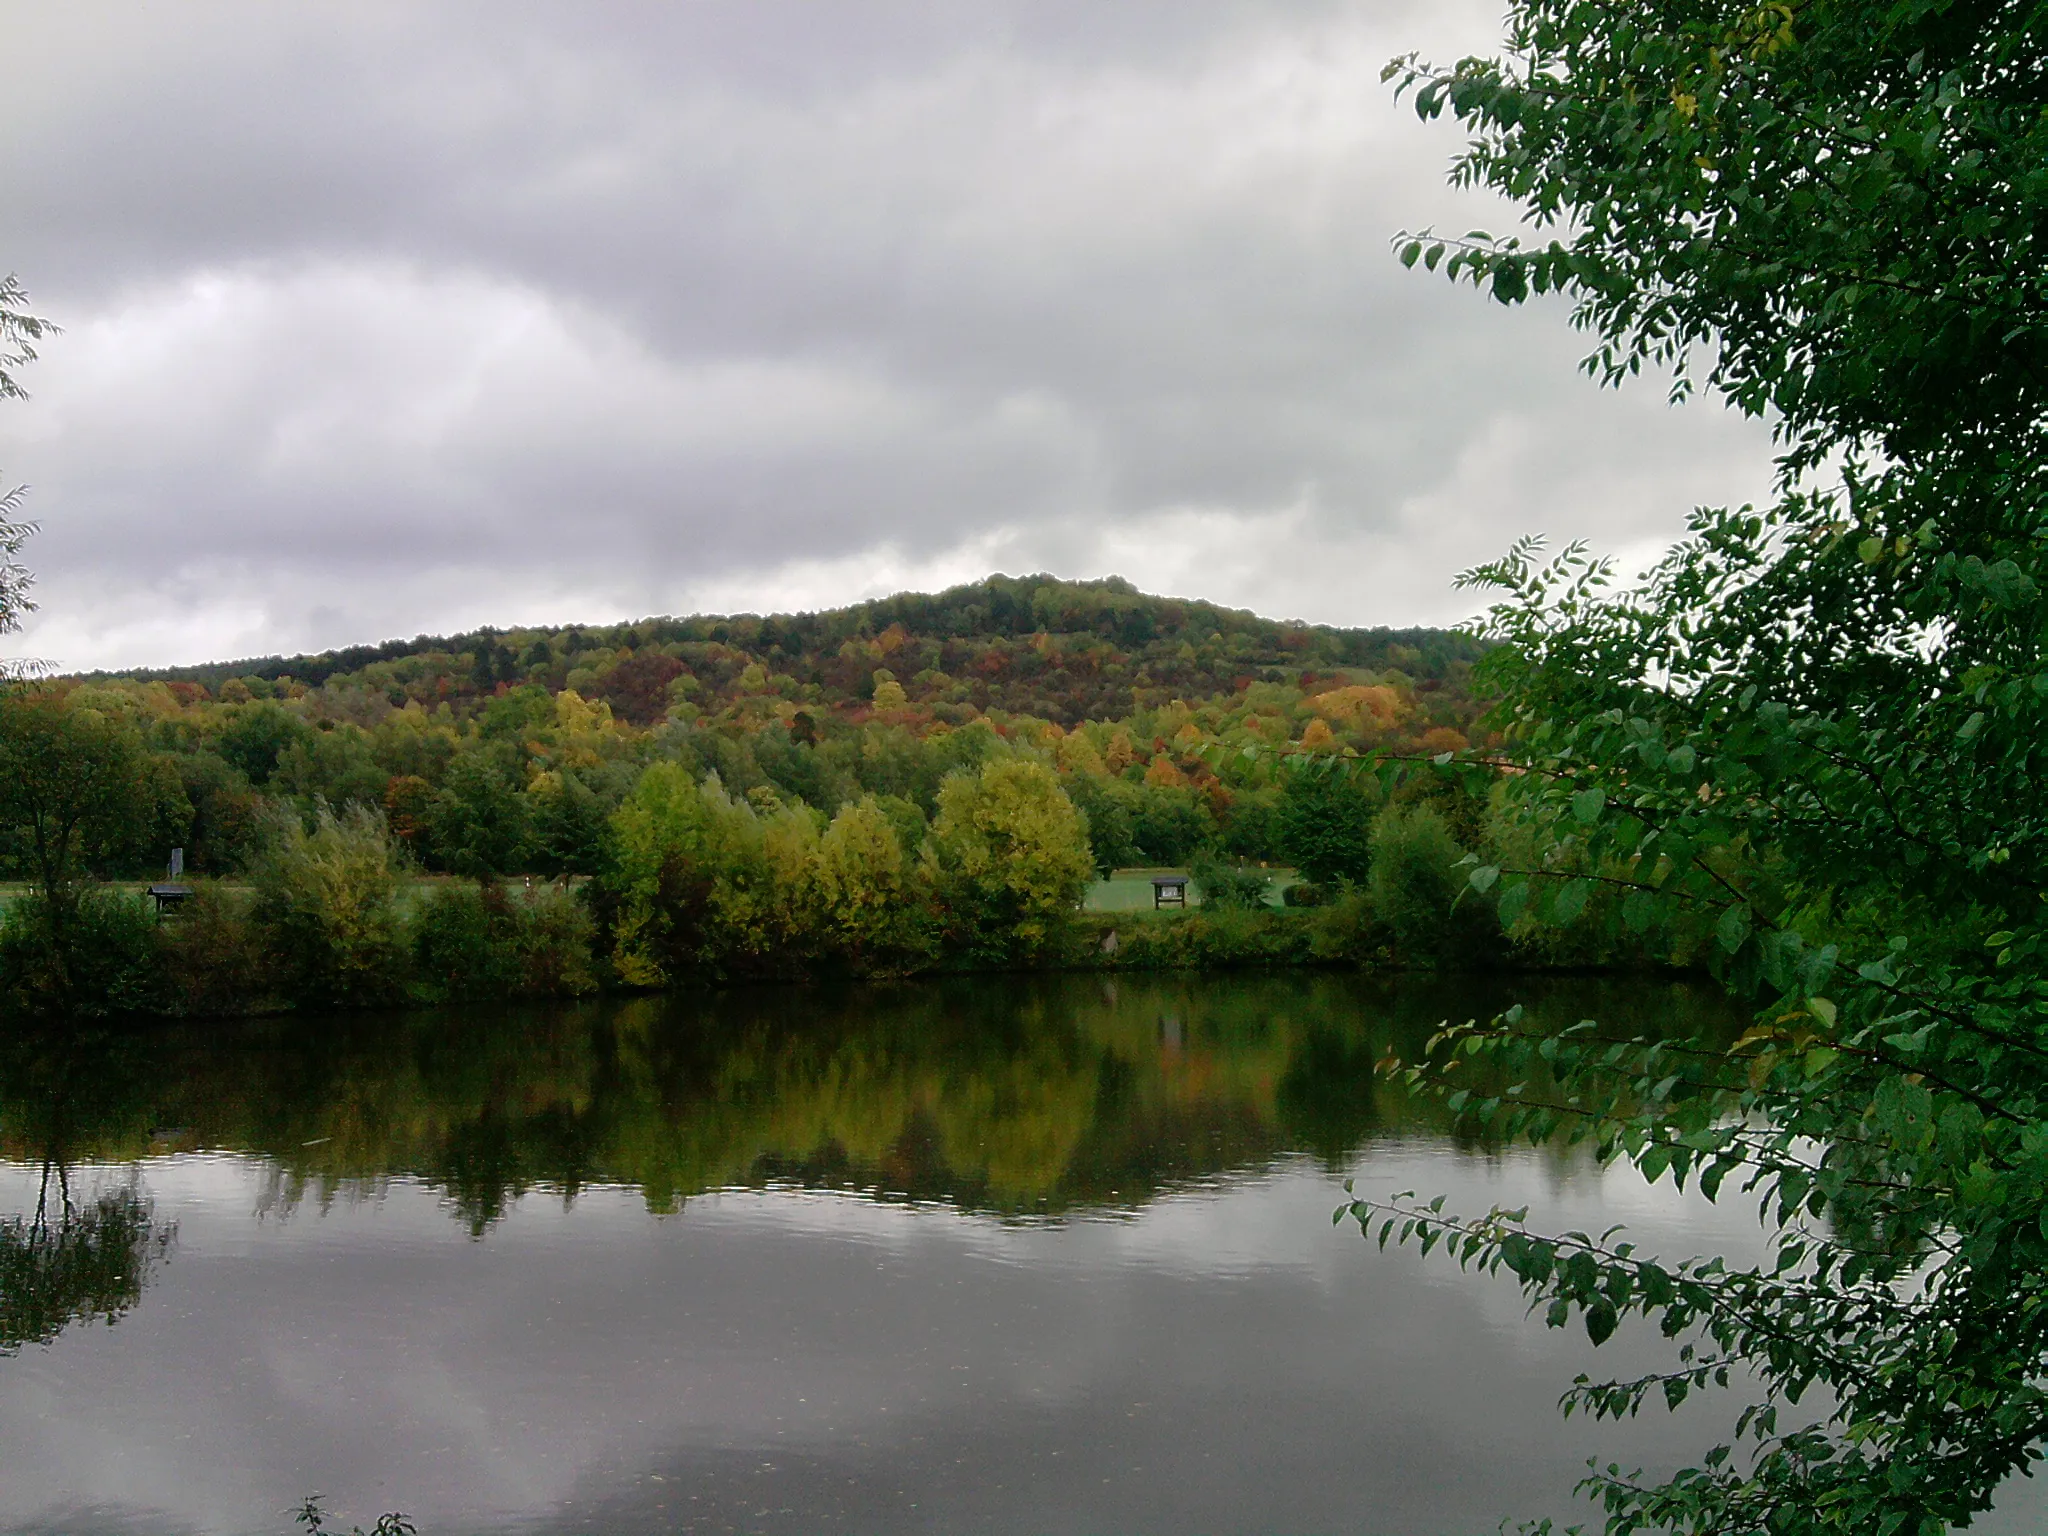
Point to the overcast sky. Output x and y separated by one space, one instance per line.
389 318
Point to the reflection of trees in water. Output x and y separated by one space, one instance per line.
76 1264
1023 1097
67 1097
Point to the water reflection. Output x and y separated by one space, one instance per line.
1019 1256
75 1256
1025 1099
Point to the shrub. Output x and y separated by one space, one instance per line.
484 941
324 905
214 959
1225 887
99 960
557 943
1304 893
465 944
1420 892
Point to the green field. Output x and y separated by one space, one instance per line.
1130 890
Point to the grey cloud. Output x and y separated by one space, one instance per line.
377 312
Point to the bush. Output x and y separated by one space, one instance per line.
557 943
478 942
1226 888
324 906
93 954
214 957
1419 891
1345 929
1304 893
465 944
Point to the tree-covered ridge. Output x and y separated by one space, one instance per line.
509 753
1033 645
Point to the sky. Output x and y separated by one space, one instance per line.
396 318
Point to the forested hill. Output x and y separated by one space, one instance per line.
1034 646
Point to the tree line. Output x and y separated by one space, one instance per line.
591 853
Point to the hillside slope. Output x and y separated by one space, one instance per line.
1033 646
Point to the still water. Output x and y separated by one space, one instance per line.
1018 1255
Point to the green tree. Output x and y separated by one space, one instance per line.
482 820
867 887
15 578
1817 728
1009 852
75 786
257 737
325 899
1323 823
688 878
19 332
1170 824
568 823
1112 837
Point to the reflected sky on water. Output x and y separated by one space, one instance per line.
1045 1256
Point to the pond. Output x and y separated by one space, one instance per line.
1005 1255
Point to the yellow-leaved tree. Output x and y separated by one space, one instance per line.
1009 856
867 891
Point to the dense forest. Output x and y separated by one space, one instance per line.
504 752
917 783
1035 646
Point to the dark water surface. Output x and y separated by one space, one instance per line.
1015 1255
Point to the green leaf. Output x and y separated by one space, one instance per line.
1483 878
1733 928
1571 900
1638 907
1600 1322
1513 901
1587 805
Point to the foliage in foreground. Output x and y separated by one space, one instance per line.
310 1517
1818 729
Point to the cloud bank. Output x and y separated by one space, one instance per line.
383 318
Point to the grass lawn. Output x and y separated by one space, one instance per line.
1130 890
